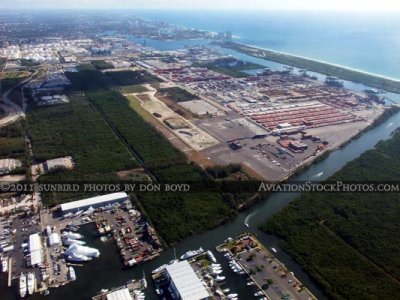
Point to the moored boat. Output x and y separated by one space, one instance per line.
71 274
22 285
192 253
75 257
31 283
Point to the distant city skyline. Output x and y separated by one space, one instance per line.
329 5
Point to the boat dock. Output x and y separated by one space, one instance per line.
133 288
272 278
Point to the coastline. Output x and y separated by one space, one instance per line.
329 69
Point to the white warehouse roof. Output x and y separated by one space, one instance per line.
34 242
186 281
93 201
122 294
35 249
54 239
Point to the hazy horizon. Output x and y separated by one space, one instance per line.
304 5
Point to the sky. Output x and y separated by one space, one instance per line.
330 5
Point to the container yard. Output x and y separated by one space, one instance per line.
260 121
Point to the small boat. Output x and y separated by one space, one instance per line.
22 285
219 278
69 241
215 265
79 212
250 283
103 291
159 291
274 250
227 290
230 296
75 257
191 253
144 281
259 293
71 235
211 256
159 269
31 283
71 273
216 272
4 265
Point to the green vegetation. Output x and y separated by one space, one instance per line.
224 171
319 67
86 67
149 145
2 62
11 79
12 144
175 215
74 129
349 242
132 77
2 113
89 79
229 66
78 130
102 65
177 94
130 89
29 63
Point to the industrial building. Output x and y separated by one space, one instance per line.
121 294
35 250
94 202
54 239
184 282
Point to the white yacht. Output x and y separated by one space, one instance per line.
22 285
31 283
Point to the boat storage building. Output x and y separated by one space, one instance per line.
94 202
185 283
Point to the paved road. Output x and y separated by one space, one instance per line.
13 111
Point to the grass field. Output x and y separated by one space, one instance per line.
130 89
177 94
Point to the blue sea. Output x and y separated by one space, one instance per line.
366 41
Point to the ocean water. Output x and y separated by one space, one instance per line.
364 40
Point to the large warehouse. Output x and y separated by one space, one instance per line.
35 249
185 283
94 202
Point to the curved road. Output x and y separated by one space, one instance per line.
13 111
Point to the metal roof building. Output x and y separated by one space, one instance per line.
121 294
35 249
94 202
185 282
54 239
